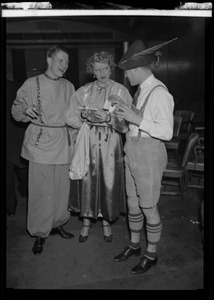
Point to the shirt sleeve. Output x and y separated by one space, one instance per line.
160 108
72 115
21 103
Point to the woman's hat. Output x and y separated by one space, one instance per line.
138 56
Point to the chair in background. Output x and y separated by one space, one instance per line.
199 128
173 144
176 172
195 166
187 119
195 169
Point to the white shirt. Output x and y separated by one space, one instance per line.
158 117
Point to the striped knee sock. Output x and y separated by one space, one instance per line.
153 236
135 225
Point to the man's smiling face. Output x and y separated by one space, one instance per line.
58 64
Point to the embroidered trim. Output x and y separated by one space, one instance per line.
39 110
47 76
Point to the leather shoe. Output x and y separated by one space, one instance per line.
38 245
128 251
144 265
60 231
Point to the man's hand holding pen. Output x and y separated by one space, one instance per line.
127 113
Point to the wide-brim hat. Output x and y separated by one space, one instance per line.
138 55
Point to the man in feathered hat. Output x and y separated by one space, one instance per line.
150 124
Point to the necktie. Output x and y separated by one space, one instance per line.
136 95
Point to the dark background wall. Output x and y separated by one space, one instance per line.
183 64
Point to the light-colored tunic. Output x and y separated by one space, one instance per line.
55 100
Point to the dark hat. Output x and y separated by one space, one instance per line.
138 56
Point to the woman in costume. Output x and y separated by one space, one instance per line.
98 160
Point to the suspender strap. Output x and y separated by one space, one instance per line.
141 110
147 98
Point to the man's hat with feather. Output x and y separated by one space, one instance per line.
138 56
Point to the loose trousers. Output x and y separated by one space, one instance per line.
49 188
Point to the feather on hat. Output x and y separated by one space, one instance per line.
137 55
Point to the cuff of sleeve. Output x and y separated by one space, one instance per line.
145 125
108 118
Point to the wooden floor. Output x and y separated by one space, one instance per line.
70 265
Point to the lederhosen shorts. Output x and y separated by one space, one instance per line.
145 162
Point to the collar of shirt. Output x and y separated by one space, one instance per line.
145 88
147 81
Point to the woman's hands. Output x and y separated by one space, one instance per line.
102 116
122 111
95 115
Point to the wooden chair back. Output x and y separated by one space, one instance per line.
177 126
187 118
189 149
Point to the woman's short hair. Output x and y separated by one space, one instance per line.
55 49
99 57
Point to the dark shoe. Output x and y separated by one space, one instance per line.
60 231
83 238
107 238
144 265
128 251
38 245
